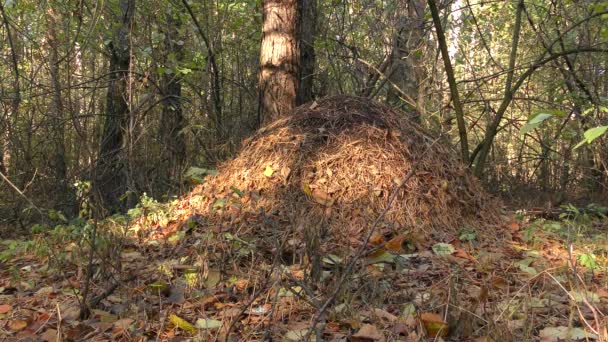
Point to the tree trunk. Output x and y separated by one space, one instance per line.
405 70
307 30
279 59
110 181
58 161
458 109
173 153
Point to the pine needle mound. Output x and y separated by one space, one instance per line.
332 166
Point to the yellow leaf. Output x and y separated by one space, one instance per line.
268 171
182 323
17 324
306 190
435 326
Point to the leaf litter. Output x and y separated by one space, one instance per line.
234 259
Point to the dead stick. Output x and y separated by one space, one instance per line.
361 250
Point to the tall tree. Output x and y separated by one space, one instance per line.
447 63
405 72
173 153
307 30
279 59
58 161
110 182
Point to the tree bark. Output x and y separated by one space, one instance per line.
58 162
443 47
173 153
405 70
508 95
110 182
307 30
279 59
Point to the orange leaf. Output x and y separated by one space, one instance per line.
17 324
434 324
4 308
513 226
396 243
376 239
461 253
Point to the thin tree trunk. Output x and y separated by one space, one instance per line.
110 182
216 84
405 72
58 162
173 153
279 59
307 31
458 109
508 95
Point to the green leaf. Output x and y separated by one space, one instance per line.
592 134
379 257
587 260
443 249
237 191
580 297
535 122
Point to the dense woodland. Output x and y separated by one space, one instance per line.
107 106
128 95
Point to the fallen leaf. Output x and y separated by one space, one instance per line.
461 253
322 198
434 324
306 190
396 244
384 314
4 308
555 334
123 324
443 249
213 278
17 324
49 336
376 239
268 171
367 333
380 256
182 324
210 324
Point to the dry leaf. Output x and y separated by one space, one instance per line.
376 239
384 314
17 324
367 333
396 244
49 336
434 324
322 197
122 324
4 308
306 190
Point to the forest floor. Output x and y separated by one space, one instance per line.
152 281
340 222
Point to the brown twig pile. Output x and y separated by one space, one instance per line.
332 165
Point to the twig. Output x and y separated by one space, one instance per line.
361 249
21 194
